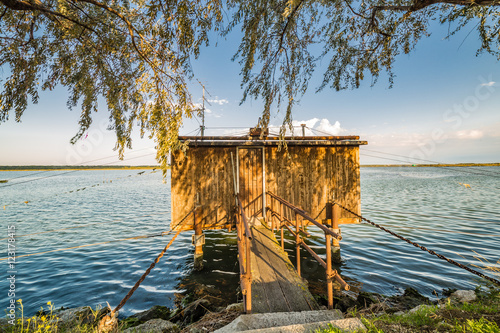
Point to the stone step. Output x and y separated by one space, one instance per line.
346 325
268 320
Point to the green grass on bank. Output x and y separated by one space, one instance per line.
46 321
480 316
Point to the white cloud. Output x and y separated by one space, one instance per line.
217 100
469 134
317 126
199 106
325 126
314 126
488 84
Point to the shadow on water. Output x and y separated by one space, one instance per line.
311 270
218 282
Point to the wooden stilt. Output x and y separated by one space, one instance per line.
336 257
198 240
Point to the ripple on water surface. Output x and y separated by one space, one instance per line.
427 205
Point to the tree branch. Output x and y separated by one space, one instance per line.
421 4
22 5
131 29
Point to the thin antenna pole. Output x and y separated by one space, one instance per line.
203 114
202 127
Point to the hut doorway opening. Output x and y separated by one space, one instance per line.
251 180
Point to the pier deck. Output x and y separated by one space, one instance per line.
276 286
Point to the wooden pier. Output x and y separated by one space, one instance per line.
276 286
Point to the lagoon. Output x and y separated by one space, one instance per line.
431 206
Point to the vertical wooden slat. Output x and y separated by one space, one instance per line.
324 173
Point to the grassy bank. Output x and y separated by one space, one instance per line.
449 314
446 315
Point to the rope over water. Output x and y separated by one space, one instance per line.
109 322
423 248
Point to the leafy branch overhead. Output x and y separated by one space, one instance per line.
136 54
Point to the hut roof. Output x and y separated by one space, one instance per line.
230 141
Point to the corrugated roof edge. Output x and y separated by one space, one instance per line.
303 141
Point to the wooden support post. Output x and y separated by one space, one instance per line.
335 228
282 239
281 224
329 282
297 242
198 240
248 278
271 200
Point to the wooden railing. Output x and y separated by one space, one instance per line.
244 242
280 209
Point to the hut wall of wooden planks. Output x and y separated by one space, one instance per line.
310 172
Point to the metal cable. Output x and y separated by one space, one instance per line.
63 173
433 216
76 190
464 170
318 131
443 230
72 165
423 248
430 161
146 273
324 207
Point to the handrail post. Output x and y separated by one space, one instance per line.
271 200
335 228
248 277
198 239
281 224
297 242
244 238
329 282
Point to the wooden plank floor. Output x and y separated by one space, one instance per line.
276 286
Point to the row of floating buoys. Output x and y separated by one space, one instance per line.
84 188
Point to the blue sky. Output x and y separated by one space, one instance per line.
443 107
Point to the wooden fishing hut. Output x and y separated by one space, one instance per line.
310 172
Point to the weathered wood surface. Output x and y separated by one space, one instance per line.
203 177
312 176
276 287
306 176
250 180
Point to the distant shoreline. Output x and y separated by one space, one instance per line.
74 167
430 165
136 167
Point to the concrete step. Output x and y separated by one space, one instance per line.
279 319
346 325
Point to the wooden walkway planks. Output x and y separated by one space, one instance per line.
276 287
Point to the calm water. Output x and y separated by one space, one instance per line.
427 205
